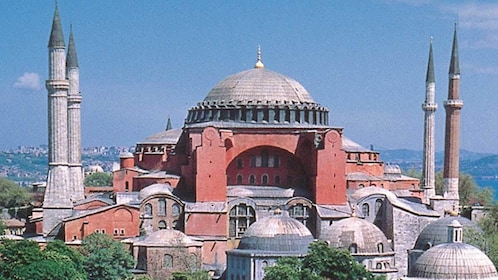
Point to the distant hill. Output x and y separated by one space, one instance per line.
479 165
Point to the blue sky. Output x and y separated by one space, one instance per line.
144 61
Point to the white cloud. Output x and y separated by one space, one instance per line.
29 81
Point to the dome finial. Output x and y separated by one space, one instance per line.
277 211
353 210
259 64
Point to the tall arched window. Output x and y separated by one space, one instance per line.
264 158
353 248
264 179
241 217
161 205
378 206
365 208
148 209
168 261
252 179
175 210
239 179
380 248
277 180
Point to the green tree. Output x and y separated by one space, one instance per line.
321 262
105 258
23 260
2 227
489 224
98 179
12 195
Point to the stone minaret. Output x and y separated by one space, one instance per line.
57 203
74 121
453 106
429 107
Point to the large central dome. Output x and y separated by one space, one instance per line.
258 96
259 85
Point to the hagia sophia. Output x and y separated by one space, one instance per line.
257 173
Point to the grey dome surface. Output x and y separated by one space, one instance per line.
168 237
454 261
277 233
436 232
259 85
155 189
354 230
164 137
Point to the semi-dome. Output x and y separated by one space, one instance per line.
155 189
258 96
277 233
357 235
168 237
436 232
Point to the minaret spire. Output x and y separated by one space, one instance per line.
57 202
453 106
259 63
74 122
168 125
429 107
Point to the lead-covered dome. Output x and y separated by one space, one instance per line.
454 261
357 235
256 86
277 233
258 96
436 232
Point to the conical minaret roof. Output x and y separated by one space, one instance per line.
72 58
430 67
56 37
454 63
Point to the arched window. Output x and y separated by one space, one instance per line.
365 208
353 248
380 248
252 179
239 179
241 217
168 261
127 185
264 179
161 205
240 163
300 212
162 225
148 209
378 206
175 210
378 265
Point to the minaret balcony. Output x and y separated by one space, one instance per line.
453 103
429 106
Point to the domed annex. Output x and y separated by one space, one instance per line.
259 96
454 260
264 242
277 233
366 243
166 251
436 232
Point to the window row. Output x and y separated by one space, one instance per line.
365 208
241 216
161 208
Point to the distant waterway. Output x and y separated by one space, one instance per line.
492 183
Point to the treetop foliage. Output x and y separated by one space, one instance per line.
98 179
321 262
12 195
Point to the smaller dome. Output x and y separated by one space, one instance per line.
365 237
95 169
392 169
155 189
168 237
436 232
454 261
126 155
277 233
